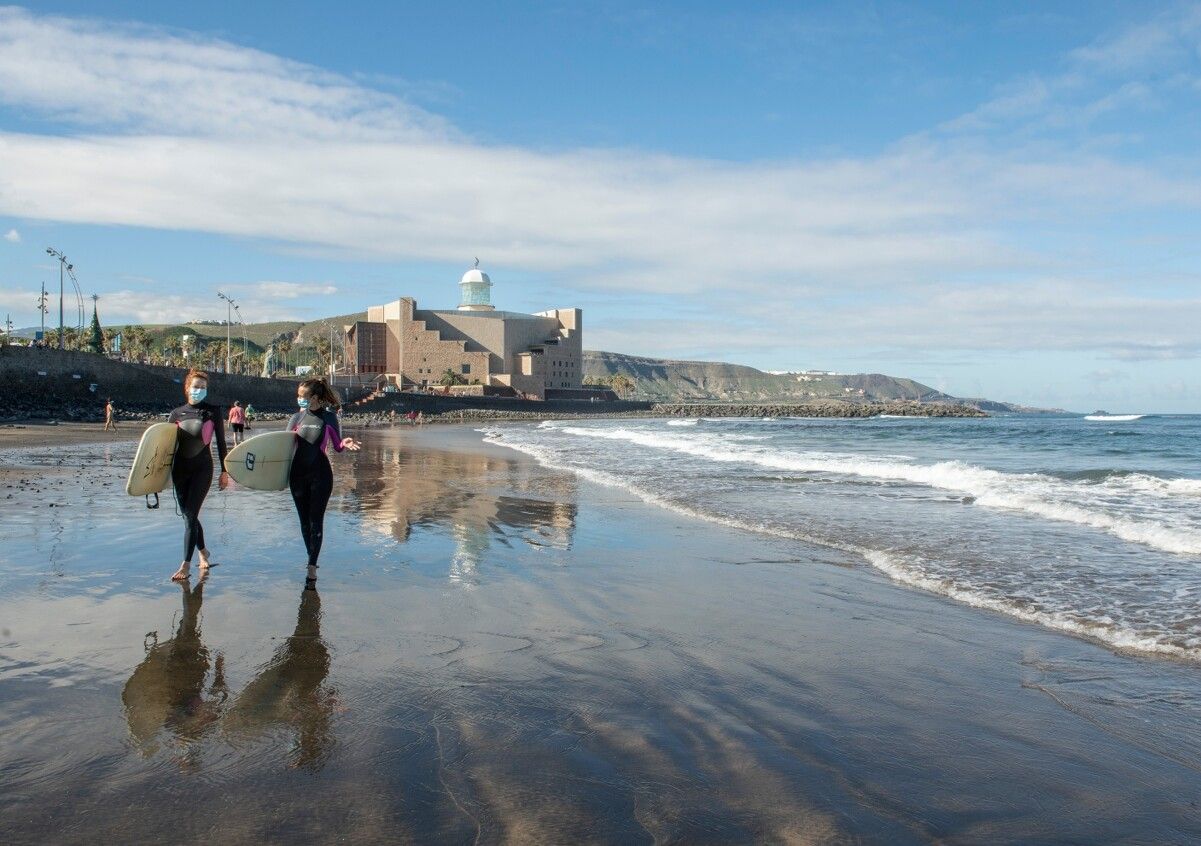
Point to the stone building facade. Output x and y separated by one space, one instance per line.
500 351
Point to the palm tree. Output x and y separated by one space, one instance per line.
622 384
196 353
172 347
137 342
284 346
324 353
449 377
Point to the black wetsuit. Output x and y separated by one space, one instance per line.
312 479
192 469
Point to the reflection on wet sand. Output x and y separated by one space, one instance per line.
290 693
675 683
167 690
481 498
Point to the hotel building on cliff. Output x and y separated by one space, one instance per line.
495 352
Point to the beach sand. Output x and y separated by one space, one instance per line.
502 653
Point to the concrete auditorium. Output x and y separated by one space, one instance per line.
508 353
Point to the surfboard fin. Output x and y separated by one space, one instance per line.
155 505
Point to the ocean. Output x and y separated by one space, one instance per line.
1089 527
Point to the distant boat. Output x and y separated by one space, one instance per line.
1106 417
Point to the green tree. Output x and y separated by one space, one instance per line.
96 339
449 377
136 341
622 384
283 346
324 353
172 347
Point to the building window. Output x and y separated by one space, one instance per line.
466 369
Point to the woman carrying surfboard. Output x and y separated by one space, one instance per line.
311 478
199 423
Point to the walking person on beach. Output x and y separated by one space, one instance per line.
110 415
200 423
237 422
312 478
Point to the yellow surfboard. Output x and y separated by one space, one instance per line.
262 462
151 471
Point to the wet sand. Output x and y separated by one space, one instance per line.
501 653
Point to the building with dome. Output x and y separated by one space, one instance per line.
493 352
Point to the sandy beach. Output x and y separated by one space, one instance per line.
505 653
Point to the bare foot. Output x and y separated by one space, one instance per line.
206 561
310 581
182 574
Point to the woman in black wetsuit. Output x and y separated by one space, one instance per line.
312 478
192 470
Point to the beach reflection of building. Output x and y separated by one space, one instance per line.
290 692
167 690
397 489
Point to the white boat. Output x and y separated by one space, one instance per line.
1114 418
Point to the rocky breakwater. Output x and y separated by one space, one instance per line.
816 409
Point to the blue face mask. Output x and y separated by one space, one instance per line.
303 402
196 395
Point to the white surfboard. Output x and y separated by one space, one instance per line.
151 471
262 462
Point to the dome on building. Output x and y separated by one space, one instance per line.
475 275
475 290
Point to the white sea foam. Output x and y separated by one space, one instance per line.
1148 484
685 422
1032 493
908 569
1117 636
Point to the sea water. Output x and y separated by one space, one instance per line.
1093 528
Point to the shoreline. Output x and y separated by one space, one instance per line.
508 652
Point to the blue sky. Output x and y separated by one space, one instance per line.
995 199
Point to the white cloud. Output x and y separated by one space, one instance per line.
186 133
141 79
258 304
1136 67
1164 39
12 236
271 290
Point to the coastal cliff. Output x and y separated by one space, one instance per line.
677 381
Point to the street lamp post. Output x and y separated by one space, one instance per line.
42 311
63 265
245 360
230 305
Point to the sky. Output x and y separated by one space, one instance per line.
996 199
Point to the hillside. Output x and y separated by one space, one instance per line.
655 379
668 380
257 334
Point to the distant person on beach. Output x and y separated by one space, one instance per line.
249 415
312 477
237 422
110 415
200 423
